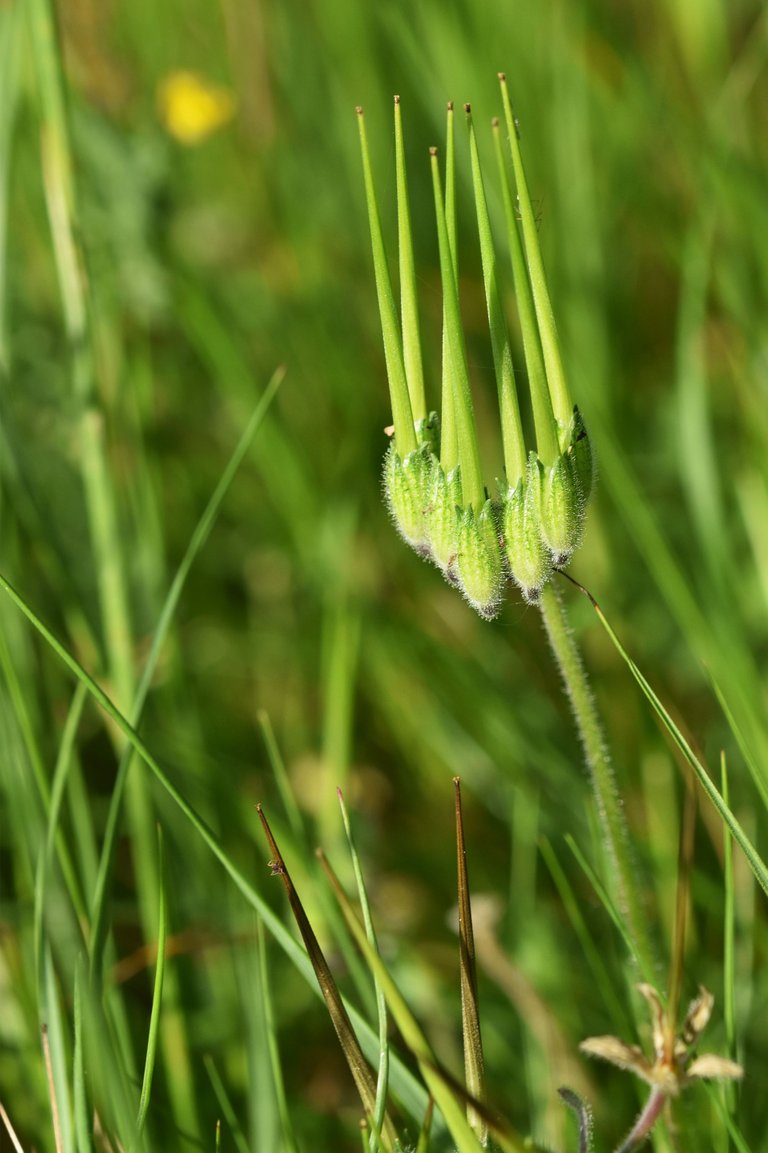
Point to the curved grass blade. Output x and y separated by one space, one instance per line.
157 994
382 1080
449 1095
358 1066
474 1066
756 862
60 773
283 1109
196 542
80 1109
409 1092
226 1107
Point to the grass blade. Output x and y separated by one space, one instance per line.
358 1066
198 539
157 994
750 852
382 1080
449 1096
474 1067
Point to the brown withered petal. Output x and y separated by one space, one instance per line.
629 1057
716 1068
697 1017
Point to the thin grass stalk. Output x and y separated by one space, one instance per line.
228 1111
754 859
157 996
270 1027
53 1059
382 1080
474 1066
729 932
358 1066
80 1106
11 55
622 873
404 1085
21 711
202 531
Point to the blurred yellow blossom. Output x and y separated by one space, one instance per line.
191 107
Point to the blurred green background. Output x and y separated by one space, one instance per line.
221 222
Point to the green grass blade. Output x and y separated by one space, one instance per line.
449 1096
605 900
61 771
358 1066
157 995
198 539
270 1026
55 1052
729 932
11 55
226 1106
382 1079
474 1065
277 764
403 1083
80 1106
750 852
600 975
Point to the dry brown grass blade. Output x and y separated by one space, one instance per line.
474 1068
358 1066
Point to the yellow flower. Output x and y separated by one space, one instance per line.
191 108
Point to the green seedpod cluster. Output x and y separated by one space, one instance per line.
433 476
407 485
580 448
443 513
561 510
479 561
564 495
528 559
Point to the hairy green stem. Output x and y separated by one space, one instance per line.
622 880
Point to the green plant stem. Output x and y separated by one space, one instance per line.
622 880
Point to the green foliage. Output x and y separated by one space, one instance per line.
208 574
